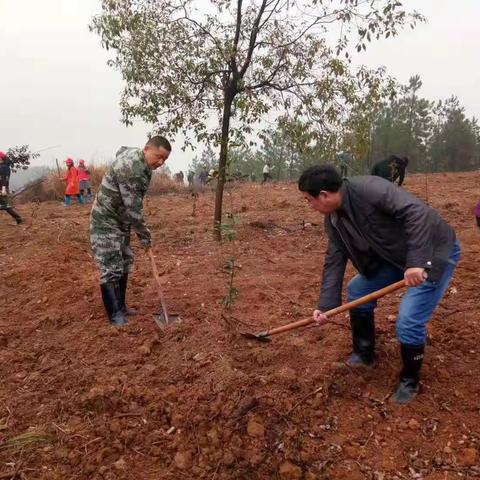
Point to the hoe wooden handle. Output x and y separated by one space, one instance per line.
159 284
342 308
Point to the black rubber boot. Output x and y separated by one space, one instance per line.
363 339
412 357
14 214
112 300
123 290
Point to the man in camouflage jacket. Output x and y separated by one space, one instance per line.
118 207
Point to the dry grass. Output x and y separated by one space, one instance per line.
161 184
26 440
52 187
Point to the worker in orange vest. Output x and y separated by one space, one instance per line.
73 187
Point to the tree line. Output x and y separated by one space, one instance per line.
436 136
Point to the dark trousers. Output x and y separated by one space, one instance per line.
4 205
266 177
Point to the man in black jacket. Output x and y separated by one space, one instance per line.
392 169
4 189
388 234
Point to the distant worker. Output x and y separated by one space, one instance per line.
84 179
117 208
391 169
343 158
212 175
267 168
4 189
477 213
179 177
190 178
73 186
6 169
203 176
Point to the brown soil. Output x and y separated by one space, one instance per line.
198 401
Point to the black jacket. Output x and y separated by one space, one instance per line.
4 175
392 168
391 225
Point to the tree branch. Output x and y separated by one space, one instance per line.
253 38
202 28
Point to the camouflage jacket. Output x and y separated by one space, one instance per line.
119 201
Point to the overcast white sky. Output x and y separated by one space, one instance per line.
56 89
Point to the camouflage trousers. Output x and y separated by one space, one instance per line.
112 254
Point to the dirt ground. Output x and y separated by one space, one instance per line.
82 400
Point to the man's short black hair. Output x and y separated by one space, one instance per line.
320 177
399 159
159 141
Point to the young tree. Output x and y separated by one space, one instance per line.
404 126
454 144
358 132
186 61
20 157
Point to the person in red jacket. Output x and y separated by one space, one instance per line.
84 178
73 187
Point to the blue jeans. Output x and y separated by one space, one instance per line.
417 304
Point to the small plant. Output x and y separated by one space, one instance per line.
194 196
232 292
228 233
228 228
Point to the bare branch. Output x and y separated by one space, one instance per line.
274 9
202 28
253 38
237 38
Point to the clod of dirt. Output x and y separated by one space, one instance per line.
289 471
412 424
263 225
183 460
120 464
115 426
287 374
144 350
468 457
245 406
255 428
228 459
351 451
348 471
99 399
177 420
170 393
213 437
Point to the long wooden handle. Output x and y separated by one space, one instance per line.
342 308
159 285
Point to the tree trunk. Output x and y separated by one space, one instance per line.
222 164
